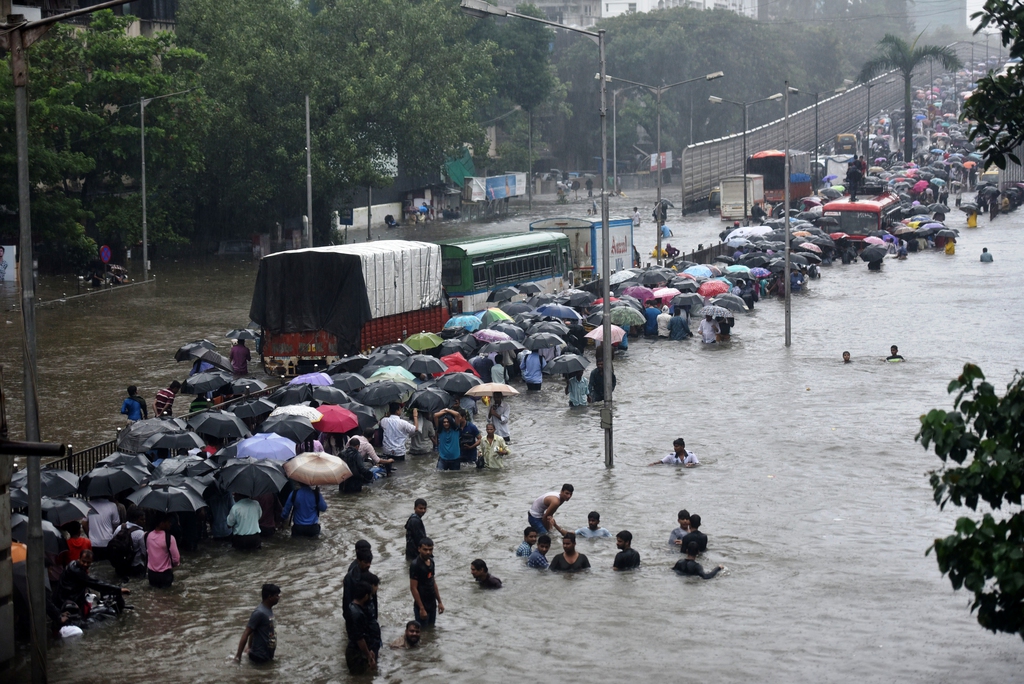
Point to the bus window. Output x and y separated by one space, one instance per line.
858 222
479 274
451 272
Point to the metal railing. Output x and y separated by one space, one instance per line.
81 462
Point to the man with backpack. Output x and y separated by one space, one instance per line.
134 406
162 554
126 550
360 474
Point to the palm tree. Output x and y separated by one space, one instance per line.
898 55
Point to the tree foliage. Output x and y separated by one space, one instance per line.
84 143
904 56
997 104
984 437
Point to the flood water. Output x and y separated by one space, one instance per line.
812 491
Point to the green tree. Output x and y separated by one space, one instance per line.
896 54
984 437
84 154
998 102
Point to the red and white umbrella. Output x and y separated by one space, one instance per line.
597 334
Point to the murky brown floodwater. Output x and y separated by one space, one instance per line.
812 490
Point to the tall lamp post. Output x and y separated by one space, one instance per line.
142 147
16 36
744 106
867 121
785 208
658 90
482 9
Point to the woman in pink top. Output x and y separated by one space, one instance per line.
161 554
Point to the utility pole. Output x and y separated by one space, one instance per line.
785 208
369 211
309 178
529 164
16 36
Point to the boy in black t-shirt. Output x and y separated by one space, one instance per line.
426 598
627 558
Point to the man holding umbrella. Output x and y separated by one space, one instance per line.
498 417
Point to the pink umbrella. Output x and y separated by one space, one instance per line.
712 288
312 379
488 335
642 293
811 246
664 293
598 334
920 186
872 240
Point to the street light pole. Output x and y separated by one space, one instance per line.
658 90
482 9
785 208
309 179
16 37
744 106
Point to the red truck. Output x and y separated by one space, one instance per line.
317 305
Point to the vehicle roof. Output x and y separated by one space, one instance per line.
500 243
363 248
875 203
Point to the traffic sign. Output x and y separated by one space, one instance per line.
345 217
105 254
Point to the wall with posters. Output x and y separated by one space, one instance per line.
8 266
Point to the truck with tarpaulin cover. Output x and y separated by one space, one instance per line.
317 305
585 243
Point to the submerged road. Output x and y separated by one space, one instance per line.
812 491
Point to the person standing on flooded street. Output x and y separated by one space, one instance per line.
134 406
259 639
709 330
426 598
240 358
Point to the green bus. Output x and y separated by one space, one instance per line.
471 268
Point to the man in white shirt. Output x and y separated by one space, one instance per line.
708 330
396 430
680 456
498 417
636 217
664 318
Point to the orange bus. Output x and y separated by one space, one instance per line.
864 216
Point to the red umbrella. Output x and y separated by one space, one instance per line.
457 364
838 236
810 246
920 186
336 419
599 302
712 288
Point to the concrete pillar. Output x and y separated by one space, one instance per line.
6 586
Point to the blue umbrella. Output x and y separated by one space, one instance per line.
559 311
470 323
830 177
938 181
266 445
699 271
312 379
937 151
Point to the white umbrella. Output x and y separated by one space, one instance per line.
489 388
621 276
307 412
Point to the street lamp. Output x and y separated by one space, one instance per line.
785 209
142 147
481 9
744 106
658 90
867 122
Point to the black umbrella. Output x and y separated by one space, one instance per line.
185 465
53 482
567 363
938 207
947 233
385 392
653 277
727 260
242 334
471 343
348 364
118 459
400 347
530 288
225 454
212 357
53 540
174 441
691 299
510 329
580 298
458 383
325 394
251 477
253 409
378 361
553 327
542 299
168 499
132 439
502 294
455 346
421 363
728 301
292 394
349 382
364 414
295 428
62 511
800 259
184 352
220 424
430 400
198 484
513 308
543 340
502 347
111 481
243 385
210 381
684 285
873 253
